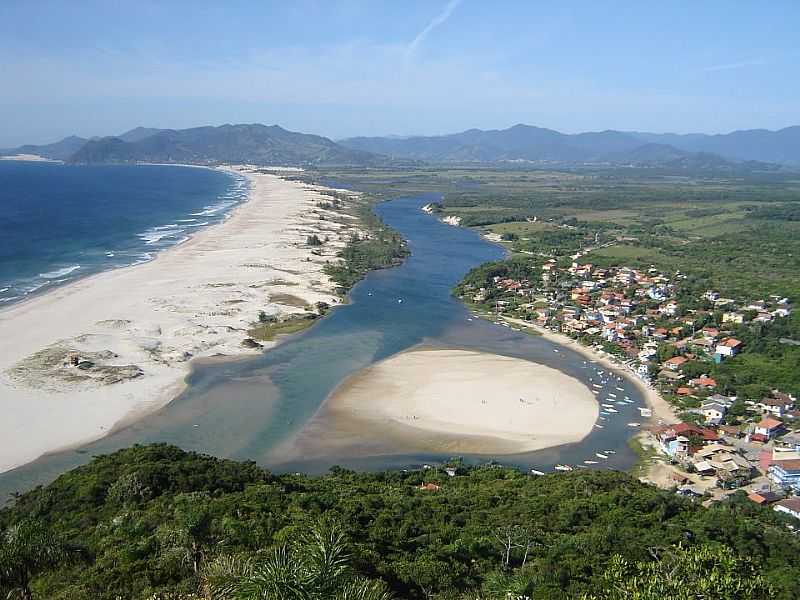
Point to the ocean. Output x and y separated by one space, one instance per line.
62 222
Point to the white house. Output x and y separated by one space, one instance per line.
790 506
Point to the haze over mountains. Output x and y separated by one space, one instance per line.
525 142
261 144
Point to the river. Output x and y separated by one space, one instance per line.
243 408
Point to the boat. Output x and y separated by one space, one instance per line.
597 385
369 293
598 425
610 395
610 451
634 424
595 392
590 462
563 468
600 455
555 350
535 472
620 389
399 300
612 410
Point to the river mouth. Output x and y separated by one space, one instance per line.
245 409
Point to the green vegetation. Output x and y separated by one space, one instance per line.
268 331
157 522
380 248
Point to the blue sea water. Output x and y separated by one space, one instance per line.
61 222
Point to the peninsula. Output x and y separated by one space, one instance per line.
108 349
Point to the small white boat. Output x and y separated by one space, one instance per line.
598 425
399 300
590 462
597 385
610 395
600 455
613 410
595 392
555 350
563 468
634 424
621 403
620 389
610 451
535 472
369 293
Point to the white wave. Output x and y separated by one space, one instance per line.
59 272
5 289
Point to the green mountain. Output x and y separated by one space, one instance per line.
156 522
60 150
254 144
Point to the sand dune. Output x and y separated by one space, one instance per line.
138 327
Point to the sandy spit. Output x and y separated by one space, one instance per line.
450 400
141 326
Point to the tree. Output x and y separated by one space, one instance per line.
315 567
684 574
190 532
28 549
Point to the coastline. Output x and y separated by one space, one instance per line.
662 411
139 327
448 400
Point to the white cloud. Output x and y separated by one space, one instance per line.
434 23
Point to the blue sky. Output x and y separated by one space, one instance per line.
361 67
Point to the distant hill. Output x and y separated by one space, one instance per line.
256 144
60 150
536 144
524 143
782 146
138 133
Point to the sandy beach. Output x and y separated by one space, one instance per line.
662 411
450 400
133 331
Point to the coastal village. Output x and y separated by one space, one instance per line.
718 437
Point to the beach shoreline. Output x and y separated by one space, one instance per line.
662 411
136 329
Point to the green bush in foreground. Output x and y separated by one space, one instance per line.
157 522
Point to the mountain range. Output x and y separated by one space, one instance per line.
261 144
528 143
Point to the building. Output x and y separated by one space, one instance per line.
777 407
675 363
786 474
677 441
728 347
763 497
790 506
766 429
714 412
723 462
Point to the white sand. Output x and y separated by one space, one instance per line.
28 158
195 300
489 403
662 410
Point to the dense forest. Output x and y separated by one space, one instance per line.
157 522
